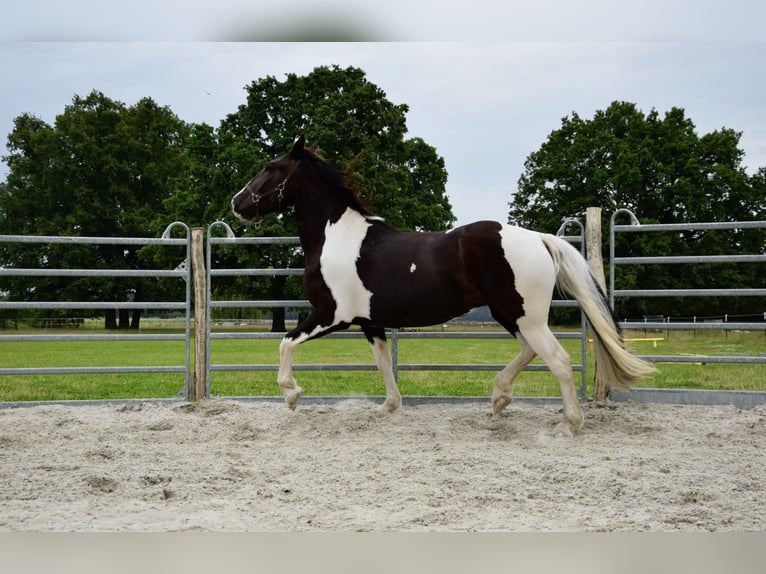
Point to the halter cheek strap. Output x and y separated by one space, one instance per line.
281 193
281 196
280 189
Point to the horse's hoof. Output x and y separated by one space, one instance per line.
293 397
564 430
390 406
499 404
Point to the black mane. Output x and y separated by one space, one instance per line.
338 183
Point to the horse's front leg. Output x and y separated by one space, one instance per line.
309 328
285 378
377 338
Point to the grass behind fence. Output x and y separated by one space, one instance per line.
453 383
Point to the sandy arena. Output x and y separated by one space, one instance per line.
254 466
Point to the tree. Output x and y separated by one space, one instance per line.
662 170
102 169
201 187
356 128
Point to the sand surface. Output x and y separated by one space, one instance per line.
253 466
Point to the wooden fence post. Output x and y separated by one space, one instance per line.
198 386
593 244
596 264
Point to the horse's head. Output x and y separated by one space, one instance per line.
270 190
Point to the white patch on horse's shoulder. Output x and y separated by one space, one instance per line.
342 246
413 267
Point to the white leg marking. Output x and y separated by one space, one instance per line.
285 378
383 359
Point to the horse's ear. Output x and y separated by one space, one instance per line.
298 146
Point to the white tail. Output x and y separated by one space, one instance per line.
615 366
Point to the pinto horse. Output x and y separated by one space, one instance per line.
360 271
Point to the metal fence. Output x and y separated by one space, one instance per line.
395 336
616 261
183 271
210 273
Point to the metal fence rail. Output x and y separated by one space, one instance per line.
614 261
182 272
394 335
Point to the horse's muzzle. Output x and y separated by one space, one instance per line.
235 201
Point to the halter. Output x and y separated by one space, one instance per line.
280 189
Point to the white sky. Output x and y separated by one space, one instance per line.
485 106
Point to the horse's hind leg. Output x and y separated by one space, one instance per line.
382 353
542 340
502 393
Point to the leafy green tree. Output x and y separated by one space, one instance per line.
357 129
102 169
663 171
201 187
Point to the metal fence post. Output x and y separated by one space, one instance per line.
185 266
581 237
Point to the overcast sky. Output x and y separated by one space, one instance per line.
484 106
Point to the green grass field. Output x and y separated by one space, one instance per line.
335 351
